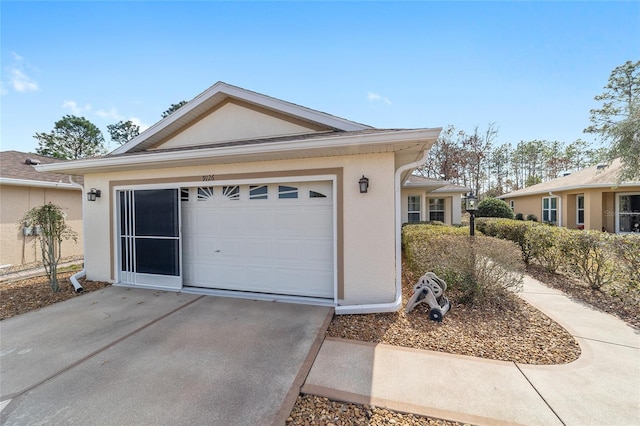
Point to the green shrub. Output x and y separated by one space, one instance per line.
589 257
519 216
626 249
547 246
477 270
494 207
508 229
532 217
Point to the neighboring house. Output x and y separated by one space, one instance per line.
23 188
425 199
241 194
586 199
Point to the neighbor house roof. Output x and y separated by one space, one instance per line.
17 168
216 95
433 185
601 176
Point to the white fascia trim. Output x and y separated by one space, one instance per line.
37 183
338 142
572 188
397 302
248 96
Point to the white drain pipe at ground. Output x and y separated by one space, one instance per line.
397 302
74 278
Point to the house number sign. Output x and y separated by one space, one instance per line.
207 178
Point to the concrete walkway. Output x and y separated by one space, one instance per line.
601 387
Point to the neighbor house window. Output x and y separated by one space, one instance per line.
512 204
413 208
550 209
580 209
628 215
436 209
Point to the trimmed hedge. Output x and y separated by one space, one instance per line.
477 270
598 258
494 207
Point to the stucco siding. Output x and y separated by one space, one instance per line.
368 220
17 249
236 120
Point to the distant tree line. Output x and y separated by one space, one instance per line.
476 161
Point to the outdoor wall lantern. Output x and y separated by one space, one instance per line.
471 207
364 184
93 194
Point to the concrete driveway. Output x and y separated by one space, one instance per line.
127 356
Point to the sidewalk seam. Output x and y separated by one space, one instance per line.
99 350
539 394
607 343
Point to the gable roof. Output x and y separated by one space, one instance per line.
216 95
17 168
433 185
592 177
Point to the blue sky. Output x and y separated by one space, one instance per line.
533 68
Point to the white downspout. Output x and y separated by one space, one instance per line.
74 278
397 303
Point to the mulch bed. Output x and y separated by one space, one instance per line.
30 294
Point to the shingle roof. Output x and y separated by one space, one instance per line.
591 177
415 181
13 166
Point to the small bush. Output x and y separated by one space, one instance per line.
519 216
478 270
546 245
589 255
532 217
494 207
626 249
508 229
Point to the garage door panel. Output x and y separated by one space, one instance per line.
280 246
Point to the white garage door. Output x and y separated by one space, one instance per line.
266 238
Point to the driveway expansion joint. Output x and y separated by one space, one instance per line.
98 351
538 392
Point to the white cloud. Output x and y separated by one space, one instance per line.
374 97
20 81
137 122
74 108
111 114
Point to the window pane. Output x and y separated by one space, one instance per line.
436 216
258 192
554 203
315 194
231 192
545 215
414 217
580 216
287 191
545 203
154 256
413 204
205 193
156 212
554 217
580 202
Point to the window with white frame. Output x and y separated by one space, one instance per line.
550 209
628 212
413 208
512 204
436 209
580 209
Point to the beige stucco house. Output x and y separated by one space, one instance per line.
425 199
23 188
586 199
244 195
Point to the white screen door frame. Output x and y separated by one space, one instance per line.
149 238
